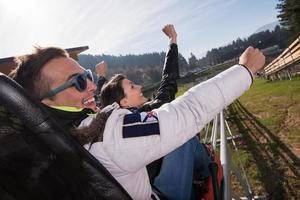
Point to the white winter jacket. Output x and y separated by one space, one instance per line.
126 157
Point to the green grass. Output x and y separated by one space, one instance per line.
182 88
275 104
265 88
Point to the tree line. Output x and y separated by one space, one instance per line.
142 69
233 50
146 68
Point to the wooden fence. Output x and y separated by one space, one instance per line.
285 59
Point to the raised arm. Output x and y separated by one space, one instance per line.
100 70
168 85
171 61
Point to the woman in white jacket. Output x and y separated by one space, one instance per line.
130 141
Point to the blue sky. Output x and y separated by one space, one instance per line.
128 26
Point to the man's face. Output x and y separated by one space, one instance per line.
133 95
60 70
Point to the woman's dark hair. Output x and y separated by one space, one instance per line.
93 132
112 91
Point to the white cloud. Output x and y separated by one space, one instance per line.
111 27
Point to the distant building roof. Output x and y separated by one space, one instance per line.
5 60
8 64
76 50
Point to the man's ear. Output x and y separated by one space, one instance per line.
124 103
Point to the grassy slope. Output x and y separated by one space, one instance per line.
268 116
277 106
269 119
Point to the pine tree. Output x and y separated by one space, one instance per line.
289 15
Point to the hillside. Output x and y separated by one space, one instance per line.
268 117
270 27
277 106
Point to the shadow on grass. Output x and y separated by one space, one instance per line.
271 155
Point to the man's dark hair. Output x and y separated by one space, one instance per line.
112 91
28 72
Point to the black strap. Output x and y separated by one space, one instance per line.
251 74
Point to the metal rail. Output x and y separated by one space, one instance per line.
218 132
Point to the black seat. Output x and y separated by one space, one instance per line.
40 160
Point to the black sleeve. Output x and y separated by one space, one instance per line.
101 81
171 62
168 85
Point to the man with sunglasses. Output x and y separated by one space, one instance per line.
59 82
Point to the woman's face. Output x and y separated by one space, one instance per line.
133 95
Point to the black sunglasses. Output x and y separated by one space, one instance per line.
79 81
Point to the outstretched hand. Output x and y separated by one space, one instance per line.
101 68
169 30
253 59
